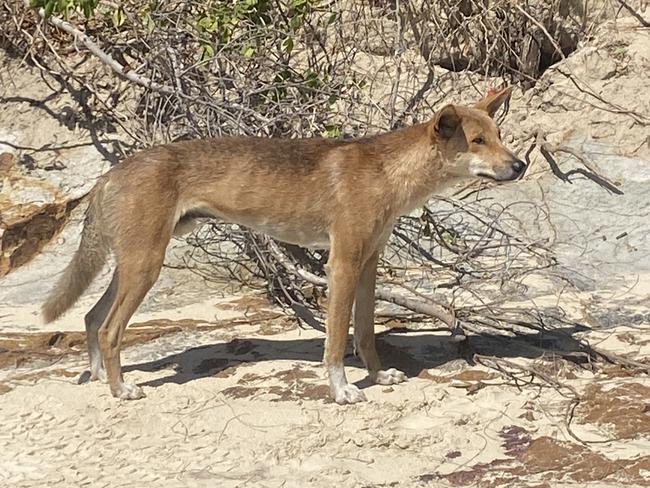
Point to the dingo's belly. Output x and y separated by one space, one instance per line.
311 235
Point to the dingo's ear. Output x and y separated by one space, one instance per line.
494 100
446 122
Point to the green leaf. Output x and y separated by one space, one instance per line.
87 9
248 51
332 131
118 17
206 52
205 22
295 22
312 80
49 7
149 24
287 44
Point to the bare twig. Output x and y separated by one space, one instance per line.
469 254
634 13
106 58
416 305
547 149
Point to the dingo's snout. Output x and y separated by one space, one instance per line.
517 169
509 170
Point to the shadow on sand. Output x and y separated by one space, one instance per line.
399 348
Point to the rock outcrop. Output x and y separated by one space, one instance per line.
32 213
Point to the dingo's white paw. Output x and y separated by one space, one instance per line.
349 394
129 391
390 376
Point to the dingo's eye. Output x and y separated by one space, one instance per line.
478 140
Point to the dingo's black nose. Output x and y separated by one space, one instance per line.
518 166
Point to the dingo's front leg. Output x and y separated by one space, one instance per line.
364 326
342 273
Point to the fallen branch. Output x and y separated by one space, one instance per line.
547 151
106 58
421 306
132 76
499 364
634 13
612 358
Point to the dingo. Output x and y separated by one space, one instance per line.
344 195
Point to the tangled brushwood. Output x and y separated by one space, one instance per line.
283 68
156 72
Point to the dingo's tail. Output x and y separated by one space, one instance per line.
85 265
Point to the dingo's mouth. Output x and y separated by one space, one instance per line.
488 176
511 177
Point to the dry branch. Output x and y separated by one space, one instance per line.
106 58
592 173
468 255
429 308
634 13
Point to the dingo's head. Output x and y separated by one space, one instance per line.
469 141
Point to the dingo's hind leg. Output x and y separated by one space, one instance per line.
138 268
94 320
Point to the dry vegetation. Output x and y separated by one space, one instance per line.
166 71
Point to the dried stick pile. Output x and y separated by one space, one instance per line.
166 71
